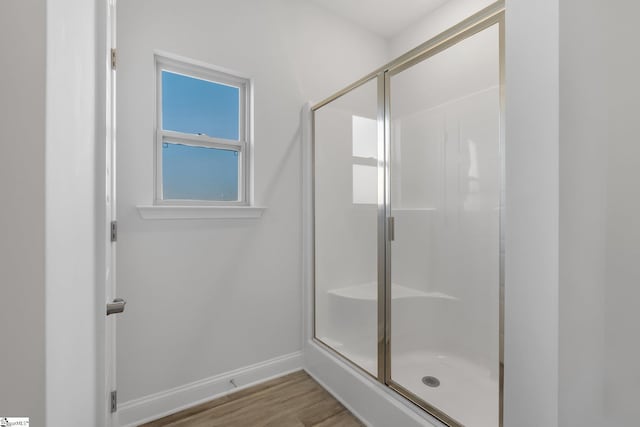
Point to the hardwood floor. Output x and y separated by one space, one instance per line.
294 400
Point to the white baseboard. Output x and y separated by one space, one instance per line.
149 408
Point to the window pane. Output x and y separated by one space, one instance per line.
199 173
196 106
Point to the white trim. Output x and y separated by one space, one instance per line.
339 398
107 285
158 405
243 145
170 58
199 140
307 223
199 212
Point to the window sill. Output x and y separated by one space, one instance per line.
199 212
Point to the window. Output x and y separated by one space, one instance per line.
202 135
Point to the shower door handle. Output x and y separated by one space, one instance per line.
391 228
117 306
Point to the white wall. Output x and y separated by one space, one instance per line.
583 197
435 22
531 259
22 217
206 297
47 221
599 319
622 293
71 186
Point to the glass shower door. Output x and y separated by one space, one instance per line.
445 200
345 151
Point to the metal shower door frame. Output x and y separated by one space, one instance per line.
493 15
488 17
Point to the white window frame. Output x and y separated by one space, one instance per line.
242 146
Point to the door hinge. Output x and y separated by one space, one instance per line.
391 225
114 401
113 58
114 231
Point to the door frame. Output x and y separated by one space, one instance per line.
109 418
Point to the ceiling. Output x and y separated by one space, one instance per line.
384 17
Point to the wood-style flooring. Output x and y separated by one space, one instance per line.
294 400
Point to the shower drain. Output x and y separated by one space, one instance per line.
430 381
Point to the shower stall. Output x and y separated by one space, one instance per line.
407 217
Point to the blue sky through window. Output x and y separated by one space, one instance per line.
195 106
199 173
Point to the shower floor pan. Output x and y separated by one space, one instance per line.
467 392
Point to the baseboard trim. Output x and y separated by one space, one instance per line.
158 405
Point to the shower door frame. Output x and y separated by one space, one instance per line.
461 32
482 20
